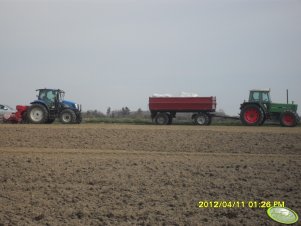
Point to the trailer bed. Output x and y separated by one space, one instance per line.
164 109
182 104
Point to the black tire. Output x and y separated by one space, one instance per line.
193 118
50 120
263 120
252 115
37 114
169 120
79 118
202 119
162 119
68 116
289 119
24 118
210 120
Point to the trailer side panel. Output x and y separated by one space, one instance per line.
182 104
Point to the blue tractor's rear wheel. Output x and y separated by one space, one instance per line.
37 114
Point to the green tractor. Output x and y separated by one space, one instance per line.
260 108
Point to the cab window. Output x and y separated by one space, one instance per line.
47 96
51 96
42 95
265 97
255 96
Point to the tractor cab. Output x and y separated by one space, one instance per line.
54 99
260 96
51 97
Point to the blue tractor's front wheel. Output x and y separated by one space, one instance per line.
68 116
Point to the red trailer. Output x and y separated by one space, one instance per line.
164 109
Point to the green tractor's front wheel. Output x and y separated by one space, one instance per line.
289 119
68 116
252 115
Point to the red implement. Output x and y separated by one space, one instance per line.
18 116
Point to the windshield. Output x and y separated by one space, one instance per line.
255 96
47 95
61 96
266 97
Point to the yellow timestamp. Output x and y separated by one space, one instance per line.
240 204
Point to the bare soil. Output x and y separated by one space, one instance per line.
145 175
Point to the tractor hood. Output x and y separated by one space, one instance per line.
276 107
71 104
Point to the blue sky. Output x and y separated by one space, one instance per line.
118 53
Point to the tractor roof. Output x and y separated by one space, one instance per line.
260 90
59 90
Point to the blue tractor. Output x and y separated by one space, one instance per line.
51 105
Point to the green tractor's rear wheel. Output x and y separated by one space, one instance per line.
37 114
68 116
252 115
289 119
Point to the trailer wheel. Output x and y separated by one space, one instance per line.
202 119
193 118
210 120
288 119
162 119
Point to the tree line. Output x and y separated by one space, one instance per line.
123 112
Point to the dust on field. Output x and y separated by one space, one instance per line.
145 175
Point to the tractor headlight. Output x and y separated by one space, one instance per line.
78 106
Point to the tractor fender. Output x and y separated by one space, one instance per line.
40 102
260 105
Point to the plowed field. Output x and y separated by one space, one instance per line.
146 175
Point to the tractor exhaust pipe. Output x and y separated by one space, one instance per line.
287 96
